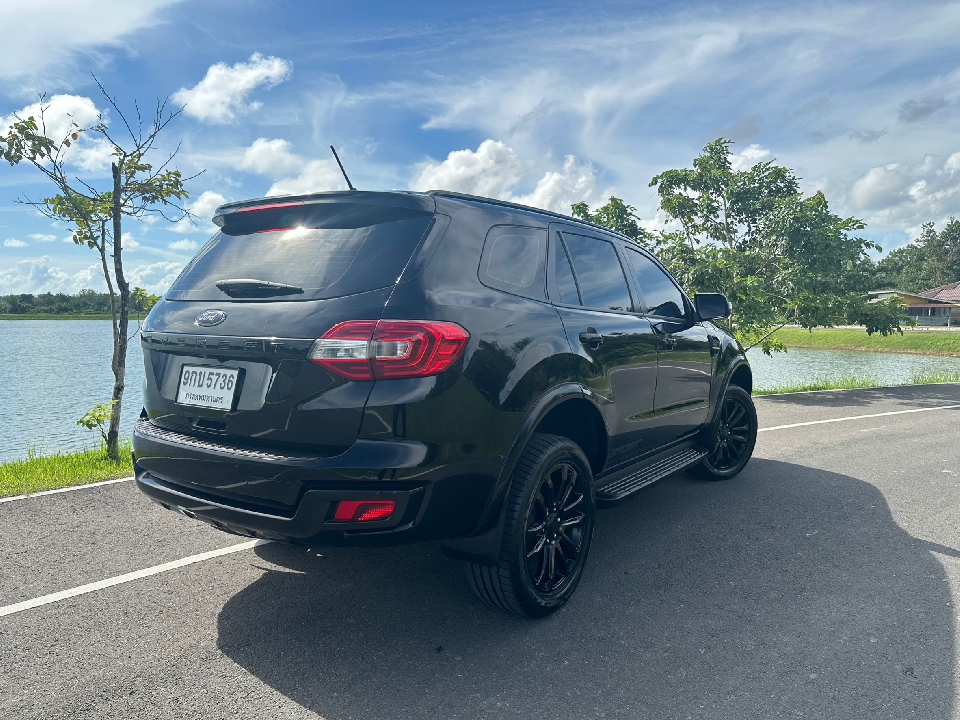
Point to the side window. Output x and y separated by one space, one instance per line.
566 285
661 296
513 260
599 274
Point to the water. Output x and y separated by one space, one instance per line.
799 367
53 371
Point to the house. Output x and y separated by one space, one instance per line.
939 306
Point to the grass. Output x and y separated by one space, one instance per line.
912 341
48 472
851 382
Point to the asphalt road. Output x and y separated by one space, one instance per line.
820 583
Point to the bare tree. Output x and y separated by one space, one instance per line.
137 188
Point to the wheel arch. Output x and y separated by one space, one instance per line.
559 411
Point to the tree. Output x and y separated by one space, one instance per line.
778 256
136 188
617 216
932 260
141 301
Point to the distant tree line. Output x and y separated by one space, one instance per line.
930 261
85 302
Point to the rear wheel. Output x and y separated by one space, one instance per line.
547 533
733 438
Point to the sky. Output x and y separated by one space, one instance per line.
545 103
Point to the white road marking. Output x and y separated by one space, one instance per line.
63 490
128 577
858 417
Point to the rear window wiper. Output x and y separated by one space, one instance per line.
247 288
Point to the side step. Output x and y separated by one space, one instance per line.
624 486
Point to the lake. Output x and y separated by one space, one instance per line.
53 371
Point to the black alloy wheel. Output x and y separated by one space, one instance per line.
555 527
547 531
733 437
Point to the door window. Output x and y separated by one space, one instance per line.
660 295
599 274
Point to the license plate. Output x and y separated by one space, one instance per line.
206 386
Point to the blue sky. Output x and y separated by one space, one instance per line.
546 103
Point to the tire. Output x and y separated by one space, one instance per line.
542 531
733 437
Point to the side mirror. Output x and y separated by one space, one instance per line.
711 305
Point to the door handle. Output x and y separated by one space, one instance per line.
591 338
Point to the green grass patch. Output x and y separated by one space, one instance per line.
936 342
49 472
852 383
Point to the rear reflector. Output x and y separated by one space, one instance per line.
389 349
363 510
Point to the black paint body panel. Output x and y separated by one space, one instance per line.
299 438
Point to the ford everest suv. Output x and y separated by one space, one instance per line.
383 368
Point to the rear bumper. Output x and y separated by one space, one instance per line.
292 498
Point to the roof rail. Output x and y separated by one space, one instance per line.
528 208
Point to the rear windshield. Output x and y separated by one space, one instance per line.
308 249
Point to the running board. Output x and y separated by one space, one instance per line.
622 487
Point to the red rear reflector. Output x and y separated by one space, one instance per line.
389 349
274 206
363 510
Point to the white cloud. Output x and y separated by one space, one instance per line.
41 36
63 114
39 275
272 158
494 170
203 207
156 277
13 242
906 196
557 191
748 157
316 176
185 245
222 93
40 237
129 243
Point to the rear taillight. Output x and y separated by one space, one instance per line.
389 349
363 510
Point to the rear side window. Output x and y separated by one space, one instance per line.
599 275
660 295
316 251
513 260
566 284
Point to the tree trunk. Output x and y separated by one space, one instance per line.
119 364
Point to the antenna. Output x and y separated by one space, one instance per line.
349 184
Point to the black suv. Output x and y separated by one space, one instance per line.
384 368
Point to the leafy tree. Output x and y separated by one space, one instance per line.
780 257
932 260
617 216
98 417
141 301
137 188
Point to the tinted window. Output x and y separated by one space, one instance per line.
325 262
599 275
566 285
512 260
660 295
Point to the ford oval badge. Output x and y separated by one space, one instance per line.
209 318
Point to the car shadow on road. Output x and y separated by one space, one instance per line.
787 592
